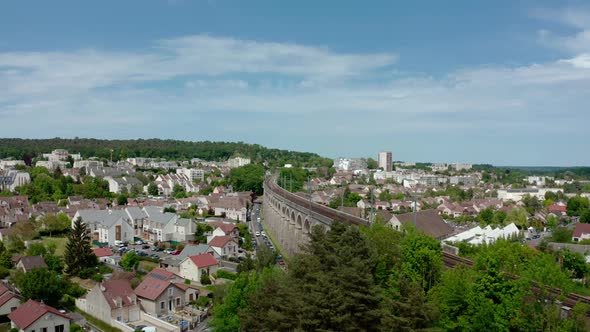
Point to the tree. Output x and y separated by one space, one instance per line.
585 216
153 189
518 216
121 199
178 191
372 163
129 261
576 205
78 254
247 178
574 263
41 284
201 233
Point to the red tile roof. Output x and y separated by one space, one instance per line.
227 228
161 274
557 208
31 262
103 252
204 260
6 297
3 288
117 288
30 311
581 229
220 241
151 288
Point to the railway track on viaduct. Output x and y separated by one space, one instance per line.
449 260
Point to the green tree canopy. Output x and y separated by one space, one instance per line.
78 254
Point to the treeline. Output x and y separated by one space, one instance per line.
26 149
377 279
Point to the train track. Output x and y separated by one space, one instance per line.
450 260
314 207
569 300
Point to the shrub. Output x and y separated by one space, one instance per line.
187 282
202 301
87 273
4 272
205 280
226 275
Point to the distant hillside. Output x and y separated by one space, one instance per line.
157 148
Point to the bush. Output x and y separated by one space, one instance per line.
76 328
75 290
87 273
4 272
103 269
202 302
187 282
226 275
205 280
97 277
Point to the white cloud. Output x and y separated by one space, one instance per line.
574 18
307 90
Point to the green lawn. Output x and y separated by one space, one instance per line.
60 242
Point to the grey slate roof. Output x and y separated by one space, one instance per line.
102 217
193 250
155 214
135 213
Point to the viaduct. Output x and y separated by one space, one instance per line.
290 217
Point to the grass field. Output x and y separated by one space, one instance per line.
60 242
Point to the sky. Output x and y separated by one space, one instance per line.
497 82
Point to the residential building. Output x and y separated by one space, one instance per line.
52 165
160 226
194 267
193 174
86 164
581 232
461 167
166 183
106 226
385 161
33 316
465 180
538 180
238 162
516 195
28 263
224 246
232 206
160 296
124 184
10 163
439 167
14 179
113 299
487 235
9 300
427 221
61 155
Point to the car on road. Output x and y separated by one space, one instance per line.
263 233
154 248
536 236
155 256
141 253
257 233
139 242
145 246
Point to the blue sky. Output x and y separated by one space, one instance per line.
501 82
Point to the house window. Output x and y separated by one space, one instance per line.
178 301
43 329
59 328
162 304
170 290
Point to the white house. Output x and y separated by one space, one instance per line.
106 226
224 246
193 267
33 316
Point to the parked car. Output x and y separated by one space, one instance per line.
154 248
138 242
145 246
168 251
175 252
155 256
257 233
141 253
